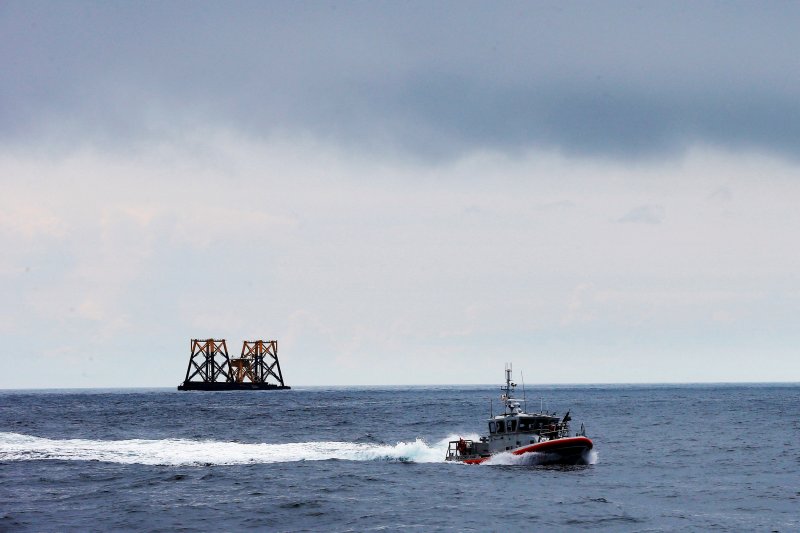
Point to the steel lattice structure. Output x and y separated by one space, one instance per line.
209 361
263 358
210 367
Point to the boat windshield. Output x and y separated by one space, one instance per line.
534 423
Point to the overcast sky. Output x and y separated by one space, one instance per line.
401 193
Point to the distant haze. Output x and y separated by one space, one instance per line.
400 193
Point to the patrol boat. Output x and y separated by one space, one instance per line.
517 432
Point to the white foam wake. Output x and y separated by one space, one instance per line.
175 452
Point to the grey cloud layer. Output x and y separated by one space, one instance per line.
623 79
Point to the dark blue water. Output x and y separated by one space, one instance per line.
683 457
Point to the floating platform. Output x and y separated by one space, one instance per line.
199 385
210 368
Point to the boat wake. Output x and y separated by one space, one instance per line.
184 452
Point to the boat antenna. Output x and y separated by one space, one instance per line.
524 398
508 390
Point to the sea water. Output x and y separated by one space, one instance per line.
698 457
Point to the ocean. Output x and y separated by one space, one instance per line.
695 457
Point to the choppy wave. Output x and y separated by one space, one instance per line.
177 452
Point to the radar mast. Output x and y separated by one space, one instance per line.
511 403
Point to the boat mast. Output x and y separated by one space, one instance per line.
508 392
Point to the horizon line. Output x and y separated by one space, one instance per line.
420 385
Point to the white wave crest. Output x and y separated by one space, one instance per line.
176 452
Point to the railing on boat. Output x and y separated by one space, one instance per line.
458 450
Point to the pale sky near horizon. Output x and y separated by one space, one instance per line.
401 193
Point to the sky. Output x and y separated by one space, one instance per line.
400 192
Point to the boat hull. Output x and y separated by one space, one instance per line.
566 451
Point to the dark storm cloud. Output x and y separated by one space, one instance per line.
621 79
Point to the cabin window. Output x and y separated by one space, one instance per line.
529 424
491 427
501 426
512 425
